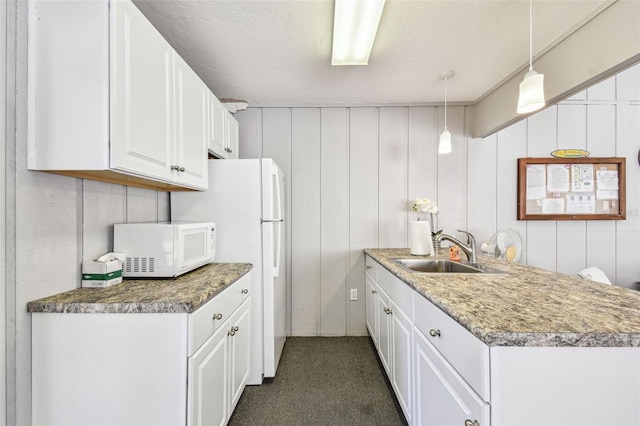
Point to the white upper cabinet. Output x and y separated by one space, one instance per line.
217 126
223 130
191 125
109 99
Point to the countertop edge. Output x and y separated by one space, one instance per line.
513 339
180 305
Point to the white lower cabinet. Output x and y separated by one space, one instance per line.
390 328
142 368
442 397
218 371
443 375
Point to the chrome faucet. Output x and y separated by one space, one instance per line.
469 249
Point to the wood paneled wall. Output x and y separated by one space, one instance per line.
352 173
351 176
604 120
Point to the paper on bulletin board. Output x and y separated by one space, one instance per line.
607 184
552 206
536 181
557 178
582 178
581 203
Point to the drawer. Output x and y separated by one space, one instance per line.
371 267
208 318
399 291
465 352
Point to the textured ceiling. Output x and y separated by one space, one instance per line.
279 52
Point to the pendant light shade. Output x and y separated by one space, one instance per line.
531 93
444 143
531 97
444 146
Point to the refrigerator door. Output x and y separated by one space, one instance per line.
274 277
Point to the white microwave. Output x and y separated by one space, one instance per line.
164 249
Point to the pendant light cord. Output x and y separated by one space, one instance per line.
530 35
445 102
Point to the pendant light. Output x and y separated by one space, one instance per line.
444 146
531 96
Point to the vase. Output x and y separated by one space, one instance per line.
420 237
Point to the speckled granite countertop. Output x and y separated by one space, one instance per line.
183 294
528 307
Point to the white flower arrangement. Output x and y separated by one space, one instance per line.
426 205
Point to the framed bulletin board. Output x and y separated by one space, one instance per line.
571 188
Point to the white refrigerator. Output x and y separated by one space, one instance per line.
246 201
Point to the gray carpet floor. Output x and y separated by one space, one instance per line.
322 381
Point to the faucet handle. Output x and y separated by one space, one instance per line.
470 238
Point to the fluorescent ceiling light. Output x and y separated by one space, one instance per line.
355 24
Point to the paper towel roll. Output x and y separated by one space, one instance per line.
420 242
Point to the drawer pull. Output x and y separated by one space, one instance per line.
233 330
373 292
217 316
245 291
471 423
436 333
368 267
236 328
387 311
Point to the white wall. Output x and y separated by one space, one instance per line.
605 120
352 172
53 224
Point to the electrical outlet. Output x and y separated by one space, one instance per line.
354 294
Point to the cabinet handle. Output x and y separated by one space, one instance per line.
181 169
387 311
174 167
471 423
245 291
368 267
373 292
436 333
217 316
231 333
234 329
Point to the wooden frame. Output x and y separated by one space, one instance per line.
572 188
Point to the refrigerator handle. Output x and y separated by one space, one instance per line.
278 198
276 267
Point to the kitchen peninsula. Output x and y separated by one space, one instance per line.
529 347
146 351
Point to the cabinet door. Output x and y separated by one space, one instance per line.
209 382
384 330
232 137
372 311
217 127
142 100
401 358
190 158
442 398
239 352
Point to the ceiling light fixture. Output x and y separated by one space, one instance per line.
355 24
531 96
444 146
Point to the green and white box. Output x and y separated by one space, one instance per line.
101 274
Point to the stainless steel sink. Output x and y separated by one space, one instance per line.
442 266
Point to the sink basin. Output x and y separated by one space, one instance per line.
442 266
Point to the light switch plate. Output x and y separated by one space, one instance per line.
354 294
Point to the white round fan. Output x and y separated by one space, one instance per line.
505 244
